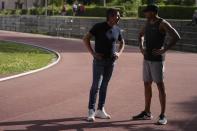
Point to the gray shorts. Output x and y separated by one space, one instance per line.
153 71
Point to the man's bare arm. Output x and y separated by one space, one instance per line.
141 40
120 49
174 36
121 46
86 40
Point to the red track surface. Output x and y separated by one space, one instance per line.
56 99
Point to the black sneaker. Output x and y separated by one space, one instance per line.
143 116
162 120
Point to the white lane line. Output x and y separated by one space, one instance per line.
33 71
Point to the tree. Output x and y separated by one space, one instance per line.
36 3
42 3
56 2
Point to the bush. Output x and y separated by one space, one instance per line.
188 2
18 12
24 11
155 1
5 12
172 11
130 13
120 8
53 10
100 11
173 2
12 12
33 11
95 11
180 2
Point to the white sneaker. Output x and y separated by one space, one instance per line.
162 120
91 115
102 114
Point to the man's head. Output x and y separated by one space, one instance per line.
150 11
113 16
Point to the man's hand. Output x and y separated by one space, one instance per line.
158 51
98 56
143 51
116 55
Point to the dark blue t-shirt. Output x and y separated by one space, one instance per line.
106 38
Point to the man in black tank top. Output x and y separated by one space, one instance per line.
153 47
154 40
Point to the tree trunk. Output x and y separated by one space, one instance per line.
42 3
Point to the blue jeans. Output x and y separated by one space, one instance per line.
102 72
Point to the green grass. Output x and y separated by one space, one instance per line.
18 58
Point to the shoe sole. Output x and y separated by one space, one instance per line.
158 123
103 117
91 120
141 118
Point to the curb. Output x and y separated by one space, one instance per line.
37 70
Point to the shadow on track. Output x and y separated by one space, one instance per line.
188 107
80 125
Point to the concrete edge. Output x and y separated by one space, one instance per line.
36 70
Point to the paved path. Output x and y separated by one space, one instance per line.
56 99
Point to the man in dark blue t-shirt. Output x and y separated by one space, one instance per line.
106 35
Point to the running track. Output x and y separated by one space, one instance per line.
55 99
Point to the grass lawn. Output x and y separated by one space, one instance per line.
18 58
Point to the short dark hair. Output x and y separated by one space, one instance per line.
151 8
111 12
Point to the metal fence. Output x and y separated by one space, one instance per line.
77 27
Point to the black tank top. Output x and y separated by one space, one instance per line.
154 39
